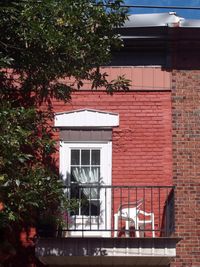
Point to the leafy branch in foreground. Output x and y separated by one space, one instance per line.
43 41
43 44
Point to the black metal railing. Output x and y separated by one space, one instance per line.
119 211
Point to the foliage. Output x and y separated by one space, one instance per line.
27 181
42 43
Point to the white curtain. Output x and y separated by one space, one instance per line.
87 178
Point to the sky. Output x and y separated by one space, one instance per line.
189 14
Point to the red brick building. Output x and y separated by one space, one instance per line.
131 160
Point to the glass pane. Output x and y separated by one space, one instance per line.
84 207
92 192
94 208
85 157
80 175
75 174
75 157
85 175
95 174
95 194
95 157
75 192
91 208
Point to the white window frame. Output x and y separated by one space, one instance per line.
106 174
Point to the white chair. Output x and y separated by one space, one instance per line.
130 212
140 223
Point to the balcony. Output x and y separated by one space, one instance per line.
114 225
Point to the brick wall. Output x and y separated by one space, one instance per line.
186 164
142 142
141 145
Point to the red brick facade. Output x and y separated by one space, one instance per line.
142 142
186 164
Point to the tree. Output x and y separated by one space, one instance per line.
45 40
41 43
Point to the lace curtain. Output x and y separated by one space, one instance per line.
87 178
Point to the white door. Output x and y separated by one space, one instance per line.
86 168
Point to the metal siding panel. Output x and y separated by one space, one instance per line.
86 135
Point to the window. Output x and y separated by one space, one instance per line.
86 169
85 165
85 180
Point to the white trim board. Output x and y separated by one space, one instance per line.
85 118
